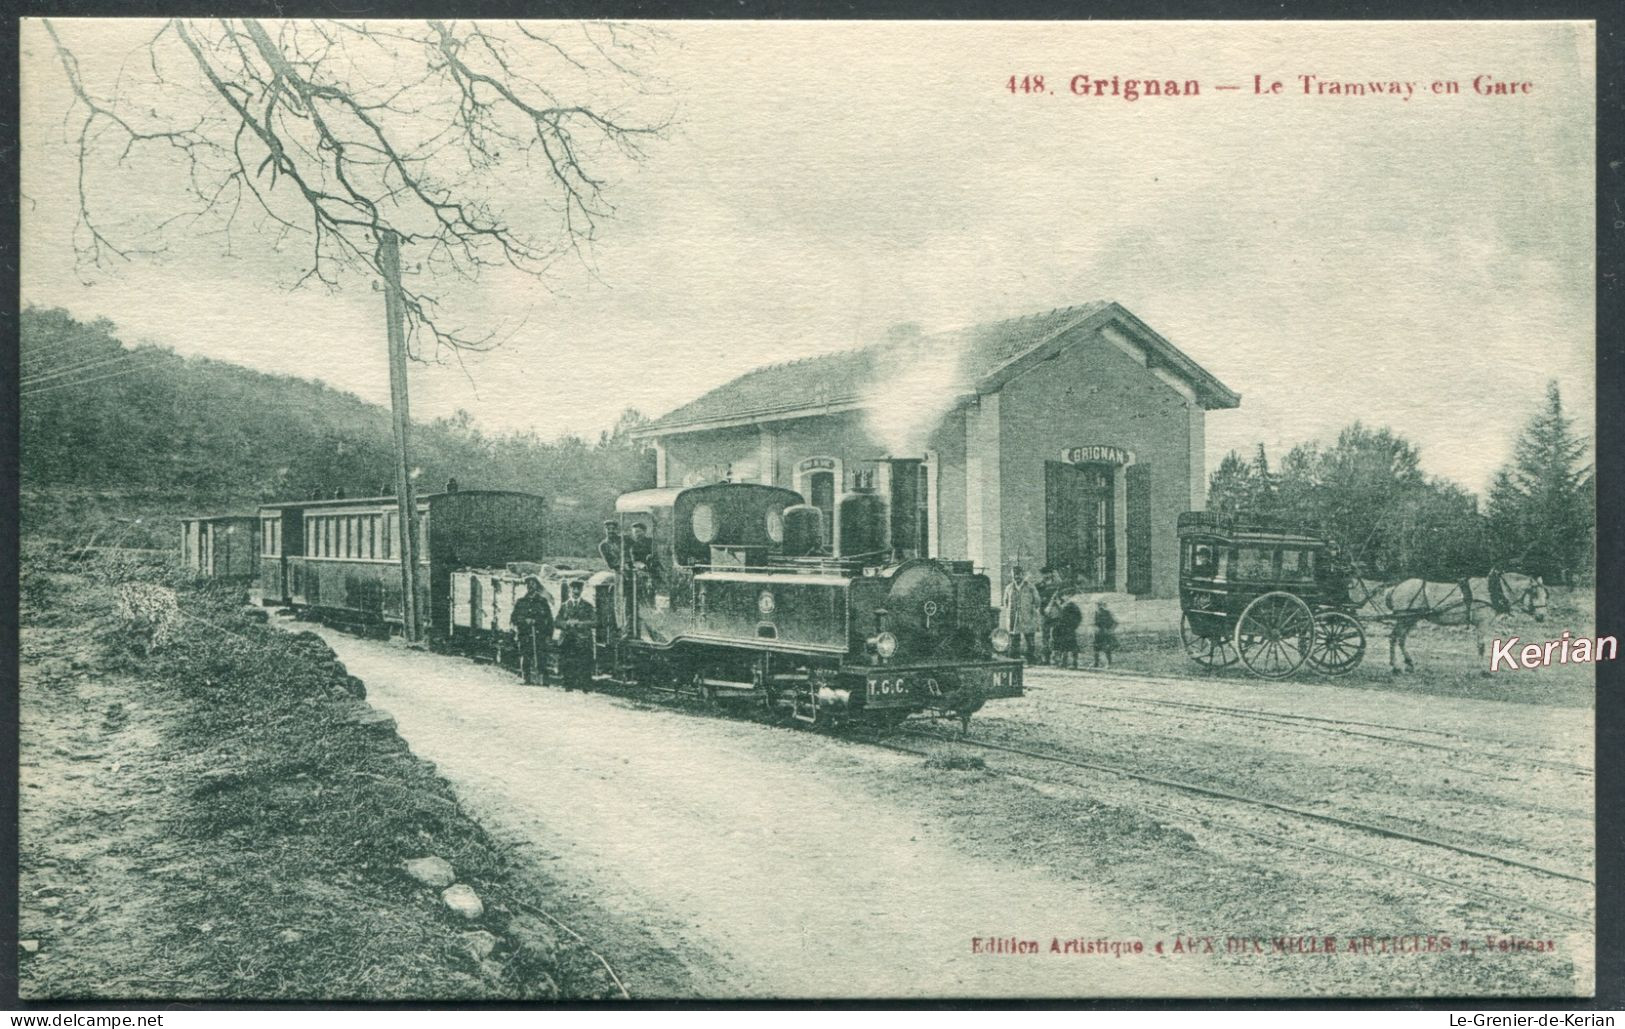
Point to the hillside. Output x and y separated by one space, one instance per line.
110 431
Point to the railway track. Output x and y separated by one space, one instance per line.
1209 819
1310 724
1205 818
1338 726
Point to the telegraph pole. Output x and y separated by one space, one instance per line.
389 262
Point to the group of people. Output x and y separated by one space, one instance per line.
1045 619
636 550
533 621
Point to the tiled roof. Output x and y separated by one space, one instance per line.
958 359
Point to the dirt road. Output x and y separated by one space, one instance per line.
762 855
774 862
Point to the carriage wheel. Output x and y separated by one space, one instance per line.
1339 644
1207 651
1275 634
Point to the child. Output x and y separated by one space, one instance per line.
1105 633
1068 619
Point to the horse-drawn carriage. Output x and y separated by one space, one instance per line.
1267 595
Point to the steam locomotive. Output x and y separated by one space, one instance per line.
743 600
739 597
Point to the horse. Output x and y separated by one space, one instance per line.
1479 602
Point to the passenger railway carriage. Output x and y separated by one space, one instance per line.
219 546
341 559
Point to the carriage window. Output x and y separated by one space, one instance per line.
1298 565
391 530
1254 563
1203 560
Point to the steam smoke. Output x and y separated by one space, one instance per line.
916 384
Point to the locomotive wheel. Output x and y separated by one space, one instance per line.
1207 651
1275 634
706 693
1339 644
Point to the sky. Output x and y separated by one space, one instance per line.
1423 263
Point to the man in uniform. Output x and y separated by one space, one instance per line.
532 619
1022 615
576 620
609 548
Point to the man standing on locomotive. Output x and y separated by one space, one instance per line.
609 548
640 550
1022 614
575 643
532 619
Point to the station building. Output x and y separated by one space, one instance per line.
1072 438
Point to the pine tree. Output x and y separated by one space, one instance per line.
1230 488
1541 505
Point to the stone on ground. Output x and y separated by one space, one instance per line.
431 871
462 900
479 944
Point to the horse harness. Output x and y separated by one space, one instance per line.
1498 601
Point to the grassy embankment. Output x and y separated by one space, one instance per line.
223 818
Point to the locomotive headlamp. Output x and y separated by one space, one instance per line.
765 603
886 646
1001 640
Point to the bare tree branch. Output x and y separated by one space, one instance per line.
336 132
